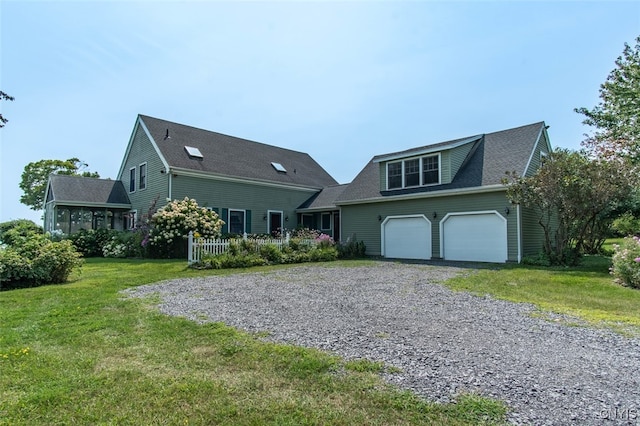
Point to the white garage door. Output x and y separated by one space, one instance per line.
475 237
406 237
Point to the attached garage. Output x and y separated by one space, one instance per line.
477 237
406 237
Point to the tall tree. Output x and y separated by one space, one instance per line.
4 97
36 174
575 197
616 118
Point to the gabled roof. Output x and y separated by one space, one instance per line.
323 200
217 154
86 191
492 155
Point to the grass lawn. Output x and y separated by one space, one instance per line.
587 291
80 353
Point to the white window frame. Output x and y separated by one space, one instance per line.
131 219
132 182
421 171
244 220
146 173
269 212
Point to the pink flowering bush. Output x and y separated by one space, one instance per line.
171 224
626 262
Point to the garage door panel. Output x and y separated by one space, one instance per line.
475 237
407 238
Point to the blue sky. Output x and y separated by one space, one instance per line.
342 81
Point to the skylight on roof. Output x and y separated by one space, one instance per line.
193 152
279 167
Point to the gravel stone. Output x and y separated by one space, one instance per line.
550 369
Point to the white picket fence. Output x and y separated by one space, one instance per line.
198 247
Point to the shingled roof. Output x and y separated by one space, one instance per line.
230 156
493 154
86 191
323 200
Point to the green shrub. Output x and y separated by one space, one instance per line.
227 260
35 261
323 254
626 262
352 249
626 225
91 242
271 253
14 230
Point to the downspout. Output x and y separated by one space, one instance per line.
519 232
169 197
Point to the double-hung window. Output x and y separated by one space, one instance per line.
394 175
132 179
142 184
413 172
430 172
236 221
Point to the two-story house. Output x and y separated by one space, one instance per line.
443 200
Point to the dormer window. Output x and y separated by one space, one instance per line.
414 172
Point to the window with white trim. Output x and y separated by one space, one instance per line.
394 175
236 221
413 172
132 179
142 183
131 219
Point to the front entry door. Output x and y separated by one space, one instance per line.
275 223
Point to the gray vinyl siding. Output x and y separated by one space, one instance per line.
445 167
361 221
142 151
456 158
532 231
541 146
258 199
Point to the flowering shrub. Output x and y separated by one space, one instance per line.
115 248
626 262
171 225
324 240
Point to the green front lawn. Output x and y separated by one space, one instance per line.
587 292
80 353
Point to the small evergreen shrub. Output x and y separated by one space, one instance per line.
626 262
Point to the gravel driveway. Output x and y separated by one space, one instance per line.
444 342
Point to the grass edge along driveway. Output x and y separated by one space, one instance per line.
81 353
